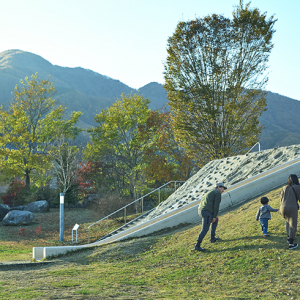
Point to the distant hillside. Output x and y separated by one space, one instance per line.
281 121
156 93
87 91
77 88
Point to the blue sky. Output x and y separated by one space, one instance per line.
127 39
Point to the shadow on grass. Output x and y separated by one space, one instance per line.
278 242
24 266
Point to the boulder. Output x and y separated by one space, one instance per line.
18 217
37 206
4 209
20 207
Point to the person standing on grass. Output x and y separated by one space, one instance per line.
264 215
208 209
290 195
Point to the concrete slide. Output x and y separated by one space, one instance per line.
237 193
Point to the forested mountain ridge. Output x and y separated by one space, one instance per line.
77 88
281 121
89 92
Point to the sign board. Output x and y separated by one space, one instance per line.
76 226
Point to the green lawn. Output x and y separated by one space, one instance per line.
243 265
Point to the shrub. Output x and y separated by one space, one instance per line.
41 193
71 196
109 203
16 194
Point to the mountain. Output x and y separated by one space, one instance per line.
156 93
281 122
89 92
77 88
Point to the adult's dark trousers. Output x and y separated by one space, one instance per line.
207 217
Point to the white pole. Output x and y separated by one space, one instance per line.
62 196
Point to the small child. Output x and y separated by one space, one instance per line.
264 215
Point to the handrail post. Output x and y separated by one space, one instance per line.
142 204
107 225
125 214
89 235
159 196
258 143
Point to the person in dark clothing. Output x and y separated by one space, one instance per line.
290 195
264 215
208 209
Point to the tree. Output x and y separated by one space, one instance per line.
164 159
65 164
215 74
93 176
29 128
116 142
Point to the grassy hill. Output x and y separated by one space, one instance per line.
243 265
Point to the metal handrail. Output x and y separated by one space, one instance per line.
124 207
254 146
131 221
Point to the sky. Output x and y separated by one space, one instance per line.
127 39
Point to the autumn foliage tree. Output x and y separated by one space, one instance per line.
93 176
215 74
15 194
164 159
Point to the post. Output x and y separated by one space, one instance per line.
125 214
142 205
159 196
62 195
76 226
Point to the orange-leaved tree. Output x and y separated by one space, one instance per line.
165 159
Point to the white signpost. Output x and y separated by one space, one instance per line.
76 226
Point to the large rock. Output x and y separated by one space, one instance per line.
18 217
4 209
37 206
20 207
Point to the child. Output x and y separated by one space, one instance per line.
264 215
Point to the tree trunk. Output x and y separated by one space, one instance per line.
27 180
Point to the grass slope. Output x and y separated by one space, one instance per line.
244 265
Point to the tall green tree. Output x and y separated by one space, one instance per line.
30 127
116 142
215 74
